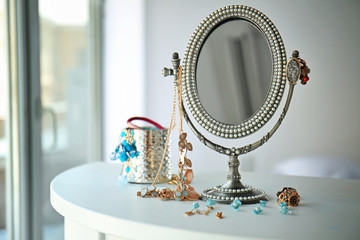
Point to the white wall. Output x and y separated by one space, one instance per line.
324 116
123 67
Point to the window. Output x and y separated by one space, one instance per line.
4 134
55 92
67 95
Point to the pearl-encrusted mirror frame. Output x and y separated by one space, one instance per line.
278 81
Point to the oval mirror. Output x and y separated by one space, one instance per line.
234 71
269 82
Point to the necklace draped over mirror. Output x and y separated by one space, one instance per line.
183 191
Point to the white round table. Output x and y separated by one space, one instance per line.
96 206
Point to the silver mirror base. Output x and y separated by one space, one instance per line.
246 194
233 188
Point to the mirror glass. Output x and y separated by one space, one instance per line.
234 71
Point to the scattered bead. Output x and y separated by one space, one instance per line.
208 210
189 213
185 193
196 205
285 210
210 203
113 156
236 204
219 215
143 192
123 179
283 204
262 203
257 211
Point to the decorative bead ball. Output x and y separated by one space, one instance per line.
288 195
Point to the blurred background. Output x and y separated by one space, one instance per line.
95 63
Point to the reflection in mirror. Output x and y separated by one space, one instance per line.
234 71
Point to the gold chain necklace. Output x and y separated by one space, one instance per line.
182 181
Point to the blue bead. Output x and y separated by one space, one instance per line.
123 179
284 210
257 211
283 204
185 193
132 154
262 203
177 194
236 204
132 177
123 157
143 192
210 203
123 134
128 148
196 205
127 169
113 156
132 147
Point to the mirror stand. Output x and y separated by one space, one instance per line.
235 18
233 188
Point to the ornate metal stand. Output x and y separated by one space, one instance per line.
233 188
